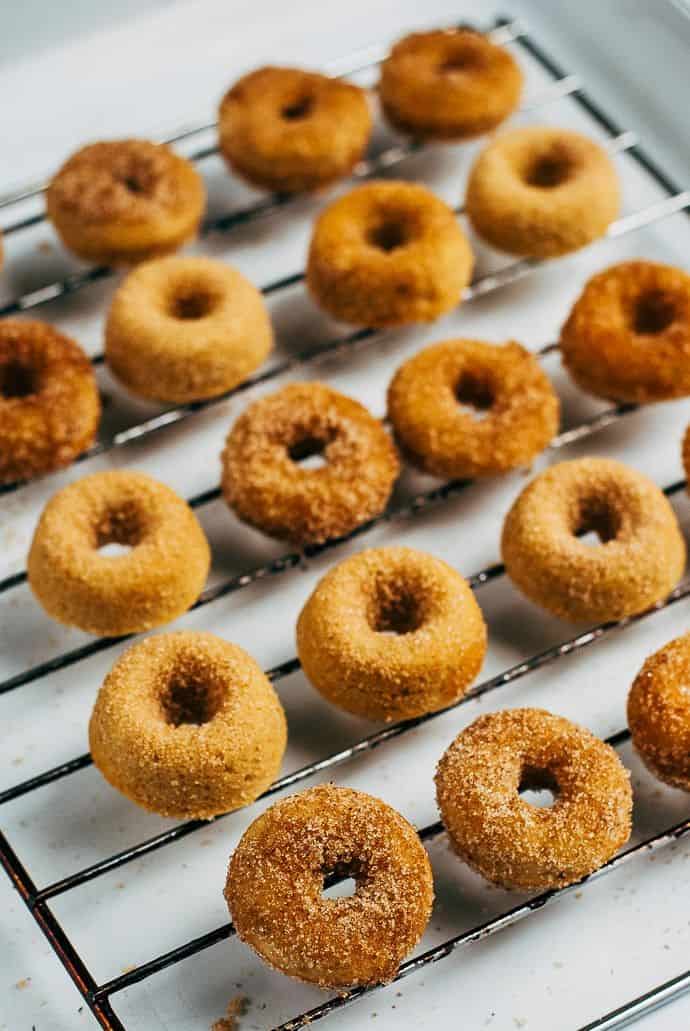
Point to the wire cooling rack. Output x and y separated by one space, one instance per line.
98 996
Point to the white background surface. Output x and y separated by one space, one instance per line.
566 965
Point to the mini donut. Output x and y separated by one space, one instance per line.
289 130
428 399
49 403
391 633
276 878
659 713
123 201
188 726
506 839
264 484
186 329
449 84
387 254
640 558
111 595
540 192
627 337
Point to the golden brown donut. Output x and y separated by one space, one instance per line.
448 84
186 329
123 201
387 254
427 401
640 558
153 583
391 633
188 726
627 337
276 878
49 402
659 713
541 192
290 130
511 842
263 482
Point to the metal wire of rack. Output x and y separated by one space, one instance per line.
98 996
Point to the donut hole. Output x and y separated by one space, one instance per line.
549 169
538 787
653 312
119 530
474 391
309 452
192 303
597 522
17 380
395 610
389 233
342 878
298 109
464 58
191 698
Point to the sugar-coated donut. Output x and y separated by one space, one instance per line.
275 883
291 130
640 558
49 402
541 192
123 201
387 254
659 713
187 725
185 329
391 633
448 84
506 839
153 583
506 384
627 337
264 484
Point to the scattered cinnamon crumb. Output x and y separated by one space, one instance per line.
23 983
237 1007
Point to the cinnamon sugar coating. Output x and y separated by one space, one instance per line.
627 337
426 400
185 329
264 484
448 84
153 583
388 254
49 402
391 633
123 201
506 839
276 878
659 713
541 192
290 130
640 558
188 726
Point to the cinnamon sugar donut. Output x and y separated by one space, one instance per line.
186 329
156 581
391 633
387 254
517 845
49 402
449 84
627 337
188 726
122 201
276 878
506 384
640 558
290 130
659 713
263 482
541 192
